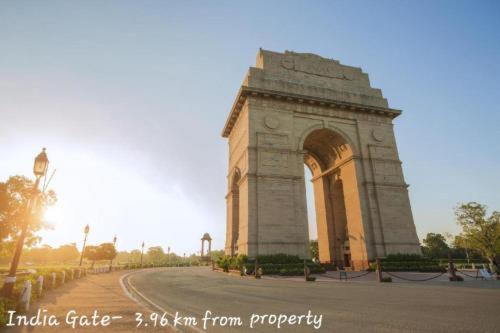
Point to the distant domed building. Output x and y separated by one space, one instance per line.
206 237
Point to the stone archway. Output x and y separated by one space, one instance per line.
330 159
298 108
206 238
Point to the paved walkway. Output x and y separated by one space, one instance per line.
101 292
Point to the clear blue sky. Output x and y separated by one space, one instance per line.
130 98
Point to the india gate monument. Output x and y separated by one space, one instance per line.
299 108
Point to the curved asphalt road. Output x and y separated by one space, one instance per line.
345 306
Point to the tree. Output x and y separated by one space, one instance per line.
478 231
216 254
91 253
173 259
156 254
435 246
135 256
40 255
106 251
122 257
314 249
14 196
65 253
193 260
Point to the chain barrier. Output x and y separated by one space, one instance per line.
415 280
397 276
347 277
471 276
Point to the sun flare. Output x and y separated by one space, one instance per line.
53 215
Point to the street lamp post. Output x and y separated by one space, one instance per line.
40 170
111 261
142 252
86 232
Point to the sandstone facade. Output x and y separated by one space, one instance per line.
296 108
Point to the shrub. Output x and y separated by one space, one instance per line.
47 281
5 305
224 263
59 276
68 274
3 313
329 267
372 267
19 286
289 271
277 264
241 260
426 265
286 269
399 257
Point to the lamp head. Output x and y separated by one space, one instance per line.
41 164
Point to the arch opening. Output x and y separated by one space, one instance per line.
327 153
311 212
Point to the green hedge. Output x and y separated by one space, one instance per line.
275 264
410 263
410 266
401 257
329 267
285 269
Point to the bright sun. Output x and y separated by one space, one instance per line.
53 214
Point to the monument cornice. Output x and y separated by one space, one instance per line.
246 91
386 184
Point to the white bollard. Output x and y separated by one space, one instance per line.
63 277
26 296
53 280
79 275
40 285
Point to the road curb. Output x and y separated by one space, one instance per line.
143 300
